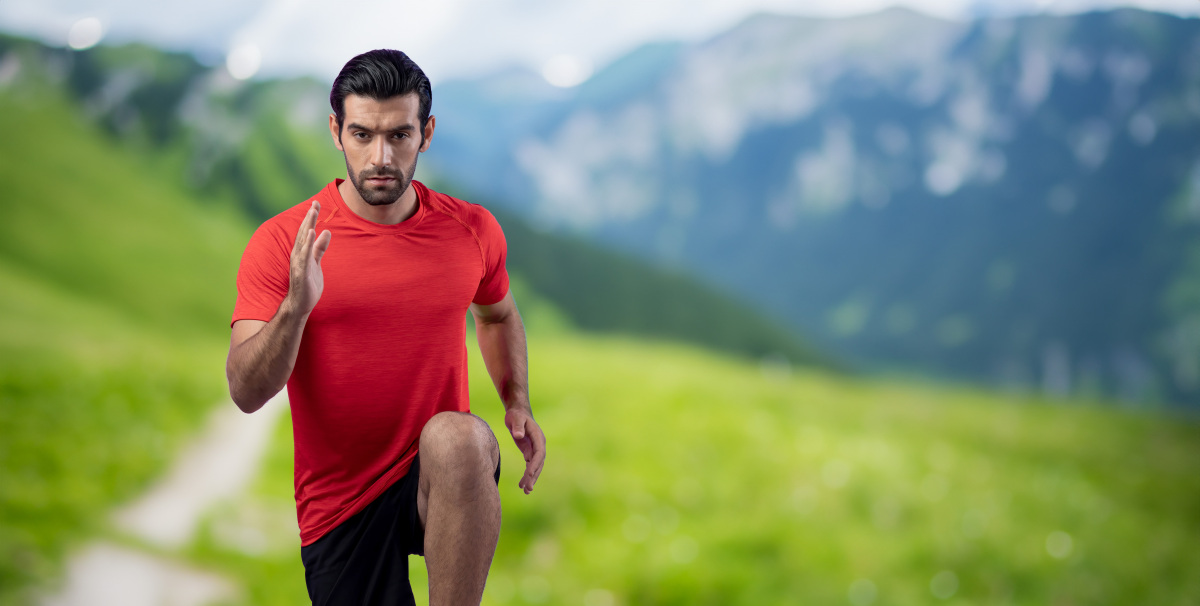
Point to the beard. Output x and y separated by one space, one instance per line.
381 196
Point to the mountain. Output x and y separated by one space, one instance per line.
263 146
1013 200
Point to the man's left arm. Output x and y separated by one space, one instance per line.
502 341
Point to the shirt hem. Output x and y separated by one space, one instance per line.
312 535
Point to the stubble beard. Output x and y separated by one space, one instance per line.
376 196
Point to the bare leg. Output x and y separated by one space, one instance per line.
459 506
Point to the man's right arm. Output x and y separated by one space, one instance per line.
262 354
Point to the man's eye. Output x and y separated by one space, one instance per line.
360 135
400 135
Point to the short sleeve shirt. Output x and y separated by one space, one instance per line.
385 347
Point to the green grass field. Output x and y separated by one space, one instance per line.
111 327
676 476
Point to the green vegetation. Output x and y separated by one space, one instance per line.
115 289
682 477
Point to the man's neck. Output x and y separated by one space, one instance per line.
389 214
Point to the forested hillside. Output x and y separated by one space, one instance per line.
1012 200
265 146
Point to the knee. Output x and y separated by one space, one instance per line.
458 441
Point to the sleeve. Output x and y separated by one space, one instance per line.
262 280
493 286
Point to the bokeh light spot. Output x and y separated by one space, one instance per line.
804 499
85 33
862 592
1062 199
243 62
944 585
684 549
974 522
836 473
1143 128
1059 544
599 597
565 71
944 178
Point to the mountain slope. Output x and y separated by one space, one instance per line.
1004 199
116 286
265 146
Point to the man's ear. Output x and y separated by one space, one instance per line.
427 135
335 131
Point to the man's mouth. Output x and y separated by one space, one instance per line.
381 180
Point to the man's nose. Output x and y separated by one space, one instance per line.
382 153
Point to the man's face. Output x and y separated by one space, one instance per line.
381 140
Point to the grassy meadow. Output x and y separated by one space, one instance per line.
116 288
675 475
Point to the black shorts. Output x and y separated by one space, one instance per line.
364 560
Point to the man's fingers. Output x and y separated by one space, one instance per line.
539 459
305 240
534 449
310 219
301 234
312 242
314 211
533 470
322 245
528 478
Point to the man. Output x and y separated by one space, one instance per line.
357 301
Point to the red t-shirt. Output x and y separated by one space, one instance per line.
385 347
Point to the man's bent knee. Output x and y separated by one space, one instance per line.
458 440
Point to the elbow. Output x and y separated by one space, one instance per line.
247 405
246 402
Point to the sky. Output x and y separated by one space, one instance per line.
565 41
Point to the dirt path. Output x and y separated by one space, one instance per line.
214 468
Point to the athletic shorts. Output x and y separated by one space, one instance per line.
364 560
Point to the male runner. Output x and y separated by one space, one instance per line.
365 324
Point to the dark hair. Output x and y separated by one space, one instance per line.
380 74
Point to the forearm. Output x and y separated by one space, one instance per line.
259 367
502 344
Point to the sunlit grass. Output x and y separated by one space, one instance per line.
91 410
115 294
682 477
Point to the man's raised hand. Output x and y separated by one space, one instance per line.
307 282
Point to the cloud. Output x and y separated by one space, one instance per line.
455 38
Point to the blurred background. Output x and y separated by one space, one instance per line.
828 302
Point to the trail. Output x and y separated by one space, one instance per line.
216 467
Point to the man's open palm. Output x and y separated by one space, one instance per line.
307 281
